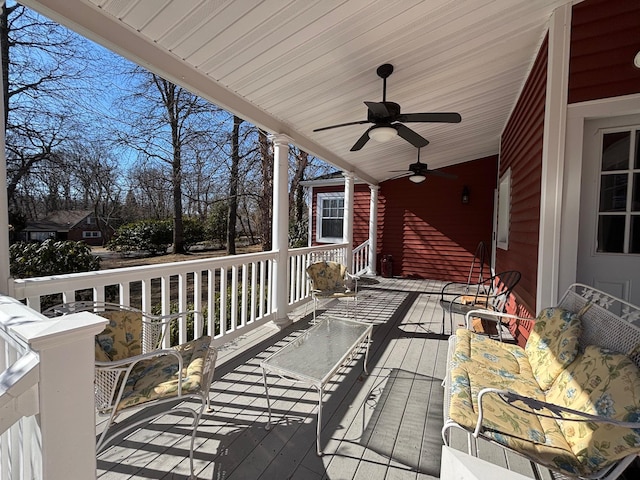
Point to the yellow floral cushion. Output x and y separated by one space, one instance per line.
327 276
599 382
483 351
157 377
535 436
552 344
122 336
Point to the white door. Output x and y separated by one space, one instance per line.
609 238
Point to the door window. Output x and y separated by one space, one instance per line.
619 201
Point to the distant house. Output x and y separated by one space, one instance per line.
77 225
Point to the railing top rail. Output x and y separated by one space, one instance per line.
362 246
319 248
113 276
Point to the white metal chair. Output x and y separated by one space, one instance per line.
331 280
133 371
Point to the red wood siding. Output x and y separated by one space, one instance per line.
361 199
605 36
521 150
426 228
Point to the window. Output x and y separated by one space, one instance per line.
330 217
91 234
504 210
90 220
619 197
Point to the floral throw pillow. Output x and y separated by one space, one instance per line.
605 383
552 344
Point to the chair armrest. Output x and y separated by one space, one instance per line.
491 315
354 278
534 406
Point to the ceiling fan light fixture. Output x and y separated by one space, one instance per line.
417 178
383 134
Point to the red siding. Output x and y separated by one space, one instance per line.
605 37
427 229
521 150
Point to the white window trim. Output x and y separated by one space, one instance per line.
504 210
321 197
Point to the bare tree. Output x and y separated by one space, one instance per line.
43 65
166 120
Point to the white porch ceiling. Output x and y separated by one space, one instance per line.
291 66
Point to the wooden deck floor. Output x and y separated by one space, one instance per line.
385 425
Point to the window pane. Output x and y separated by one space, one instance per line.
611 233
332 228
613 193
634 247
615 151
636 162
635 199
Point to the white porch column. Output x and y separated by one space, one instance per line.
65 392
553 161
4 205
280 227
373 228
347 225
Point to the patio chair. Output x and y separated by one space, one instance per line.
133 371
331 280
491 294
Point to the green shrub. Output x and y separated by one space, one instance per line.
51 257
153 236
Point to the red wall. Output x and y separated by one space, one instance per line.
426 228
605 36
521 150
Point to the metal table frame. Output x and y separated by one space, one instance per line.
336 350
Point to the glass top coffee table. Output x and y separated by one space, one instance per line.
316 355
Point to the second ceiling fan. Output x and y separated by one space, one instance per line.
388 120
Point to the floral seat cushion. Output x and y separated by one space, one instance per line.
552 344
485 352
328 279
157 377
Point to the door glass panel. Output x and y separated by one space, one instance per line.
636 162
635 198
611 233
634 246
613 193
615 151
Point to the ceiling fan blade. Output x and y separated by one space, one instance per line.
341 125
405 174
410 136
441 174
378 109
436 117
361 141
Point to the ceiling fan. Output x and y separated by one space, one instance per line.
387 119
419 172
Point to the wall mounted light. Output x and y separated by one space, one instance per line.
382 134
465 195
636 60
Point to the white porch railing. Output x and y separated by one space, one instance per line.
361 258
235 293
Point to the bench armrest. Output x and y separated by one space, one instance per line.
539 407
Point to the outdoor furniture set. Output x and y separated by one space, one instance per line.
569 400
